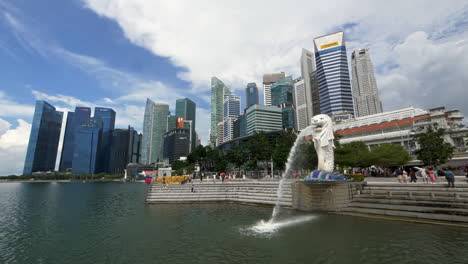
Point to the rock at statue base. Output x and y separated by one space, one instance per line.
318 175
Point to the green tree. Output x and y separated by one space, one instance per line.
260 150
432 149
354 154
389 155
284 143
199 155
237 155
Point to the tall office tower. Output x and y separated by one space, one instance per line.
218 91
262 118
44 139
307 70
220 131
171 122
268 80
333 76
365 92
281 96
251 95
107 117
85 154
125 149
74 120
177 144
187 109
240 127
231 112
154 127
300 105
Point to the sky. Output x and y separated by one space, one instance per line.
117 53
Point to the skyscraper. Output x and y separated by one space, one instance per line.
125 149
44 139
154 127
300 105
268 80
218 91
365 93
176 144
281 96
85 154
187 109
307 71
251 95
262 118
333 76
107 118
231 112
74 120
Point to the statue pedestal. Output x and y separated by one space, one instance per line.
326 196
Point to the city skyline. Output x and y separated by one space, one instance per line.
118 68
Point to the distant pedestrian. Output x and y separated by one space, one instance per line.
424 175
214 177
431 176
412 174
405 176
450 177
164 183
201 176
223 176
399 175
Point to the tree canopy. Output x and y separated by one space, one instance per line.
431 147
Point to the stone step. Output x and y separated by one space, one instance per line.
220 197
409 214
421 193
201 199
437 186
218 190
414 197
429 203
160 194
412 208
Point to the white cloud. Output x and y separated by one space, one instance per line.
429 74
238 41
13 145
11 109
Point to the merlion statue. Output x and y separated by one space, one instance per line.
323 141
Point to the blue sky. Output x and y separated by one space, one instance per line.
116 53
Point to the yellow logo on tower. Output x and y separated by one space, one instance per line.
329 45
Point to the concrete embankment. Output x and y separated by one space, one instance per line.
433 202
252 192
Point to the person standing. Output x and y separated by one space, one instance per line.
405 175
432 176
450 177
413 175
214 177
466 173
424 175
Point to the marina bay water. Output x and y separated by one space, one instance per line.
109 223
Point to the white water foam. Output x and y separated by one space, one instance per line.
268 227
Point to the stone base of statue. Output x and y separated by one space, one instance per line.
318 175
321 196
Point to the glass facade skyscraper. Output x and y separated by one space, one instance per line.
268 80
107 117
281 96
125 149
154 127
251 95
218 91
44 139
187 109
365 92
74 120
231 112
333 76
85 154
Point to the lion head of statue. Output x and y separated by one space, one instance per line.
323 131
